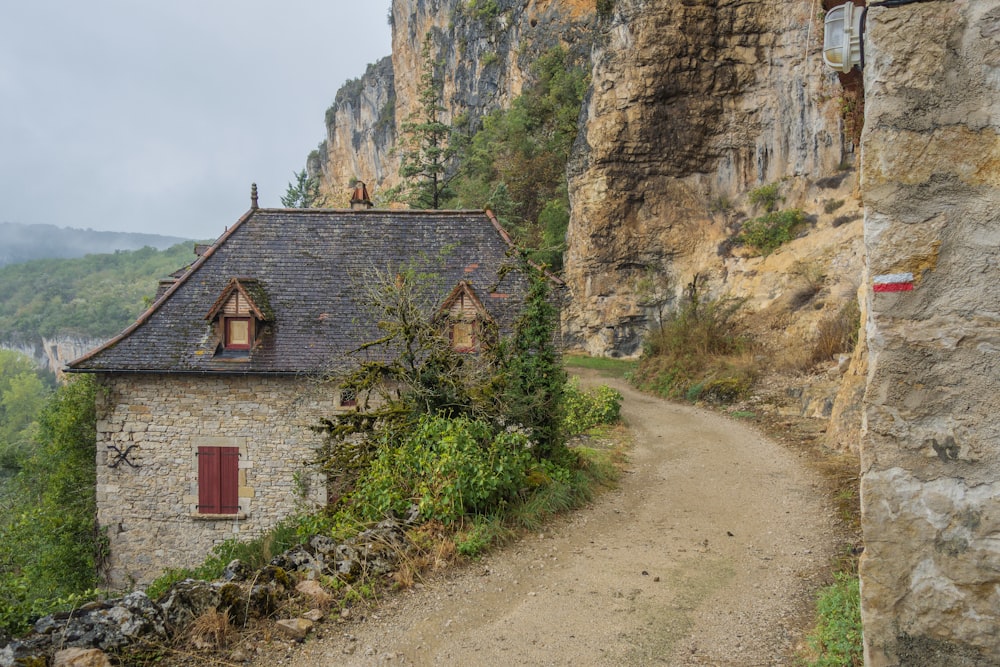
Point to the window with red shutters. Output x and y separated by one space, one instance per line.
218 480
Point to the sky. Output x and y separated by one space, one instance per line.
135 115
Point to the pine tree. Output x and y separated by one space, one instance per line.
303 193
425 142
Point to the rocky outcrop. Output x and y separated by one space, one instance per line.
692 104
115 625
483 50
52 354
931 441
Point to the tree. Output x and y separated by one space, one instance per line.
302 193
427 155
531 376
49 542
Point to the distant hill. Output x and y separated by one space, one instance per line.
23 243
95 296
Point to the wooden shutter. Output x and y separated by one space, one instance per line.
208 480
229 476
218 480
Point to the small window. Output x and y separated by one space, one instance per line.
463 336
238 333
348 398
218 480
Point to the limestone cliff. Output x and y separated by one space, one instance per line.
692 105
51 354
482 49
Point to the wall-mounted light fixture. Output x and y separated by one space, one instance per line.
842 37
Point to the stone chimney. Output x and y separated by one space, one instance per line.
360 201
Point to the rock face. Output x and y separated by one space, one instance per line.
931 442
692 104
483 51
52 354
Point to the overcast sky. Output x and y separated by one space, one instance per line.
152 116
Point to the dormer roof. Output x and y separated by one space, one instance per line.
252 291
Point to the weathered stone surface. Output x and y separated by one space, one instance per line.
315 592
78 657
931 442
295 628
692 105
484 59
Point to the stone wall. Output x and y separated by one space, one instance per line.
930 451
150 510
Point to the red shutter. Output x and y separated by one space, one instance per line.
208 480
229 480
218 480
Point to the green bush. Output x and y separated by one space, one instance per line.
449 467
766 233
586 409
836 641
766 196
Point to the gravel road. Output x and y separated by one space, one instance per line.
709 553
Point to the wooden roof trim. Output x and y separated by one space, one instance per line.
463 288
238 285
144 317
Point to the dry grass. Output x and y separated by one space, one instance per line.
211 630
837 334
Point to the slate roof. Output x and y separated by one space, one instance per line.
306 262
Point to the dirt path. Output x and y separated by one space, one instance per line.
707 554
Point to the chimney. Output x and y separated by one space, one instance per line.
360 201
253 196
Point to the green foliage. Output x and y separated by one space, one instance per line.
449 467
697 351
23 392
836 640
766 233
531 378
515 163
586 409
94 296
766 196
605 8
302 193
255 554
49 542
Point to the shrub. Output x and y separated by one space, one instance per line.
838 334
449 467
832 205
766 196
697 347
586 409
766 233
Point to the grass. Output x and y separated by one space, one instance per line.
836 639
616 368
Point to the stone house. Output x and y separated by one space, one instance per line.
206 402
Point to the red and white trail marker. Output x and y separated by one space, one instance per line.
893 282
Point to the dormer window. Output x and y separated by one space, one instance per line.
465 317
239 314
238 334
